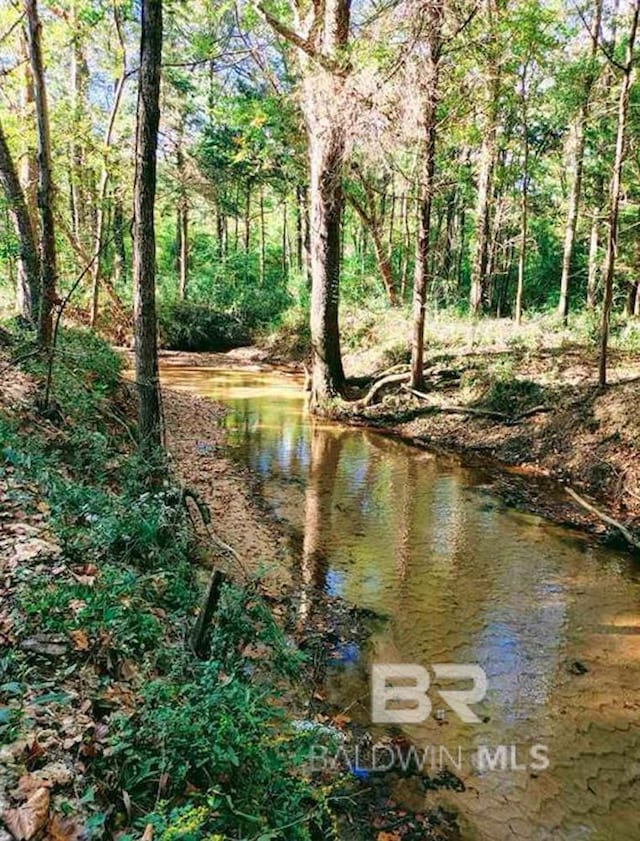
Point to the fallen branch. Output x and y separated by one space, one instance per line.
624 531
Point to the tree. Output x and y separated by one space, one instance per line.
577 162
432 11
487 160
47 237
104 176
614 194
144 244
28 281
366 206
321 37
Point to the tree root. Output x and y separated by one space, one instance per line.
509 420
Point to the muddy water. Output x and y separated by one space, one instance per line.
552 619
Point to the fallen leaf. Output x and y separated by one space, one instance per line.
388 836
147 835
63 829
80 640
27 820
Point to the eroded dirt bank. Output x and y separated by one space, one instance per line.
575 435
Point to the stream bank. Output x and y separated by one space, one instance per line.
583 438
109 727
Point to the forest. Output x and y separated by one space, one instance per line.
262 266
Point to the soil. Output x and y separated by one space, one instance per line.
582 437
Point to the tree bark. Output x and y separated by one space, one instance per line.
47 238
524 206
573 204
321 36
487 166
144 246
183 248
433 12
120 254
28 275
262 244
614 197
594 237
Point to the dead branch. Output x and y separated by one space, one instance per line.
624 531
199 636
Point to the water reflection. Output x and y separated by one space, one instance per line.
461 579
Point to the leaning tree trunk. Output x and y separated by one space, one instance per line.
47 238
614 198
433 10
372 223
575 188
144 245
28 279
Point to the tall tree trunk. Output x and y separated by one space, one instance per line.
47 238
433 11
614 197
28 172
594 242
487 165
524 205
183 248
98 233
182 251
300 212
321 37
144 245
120 254
77 173
326 153
28 275
247 221
262 238
406 243
577 161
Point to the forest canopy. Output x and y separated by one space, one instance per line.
441 155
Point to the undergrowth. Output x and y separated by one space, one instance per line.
202 749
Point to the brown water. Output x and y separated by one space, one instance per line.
462 579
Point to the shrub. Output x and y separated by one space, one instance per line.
188 326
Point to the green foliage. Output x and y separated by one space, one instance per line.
509 395
185 325
125 586
85 368
219 727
